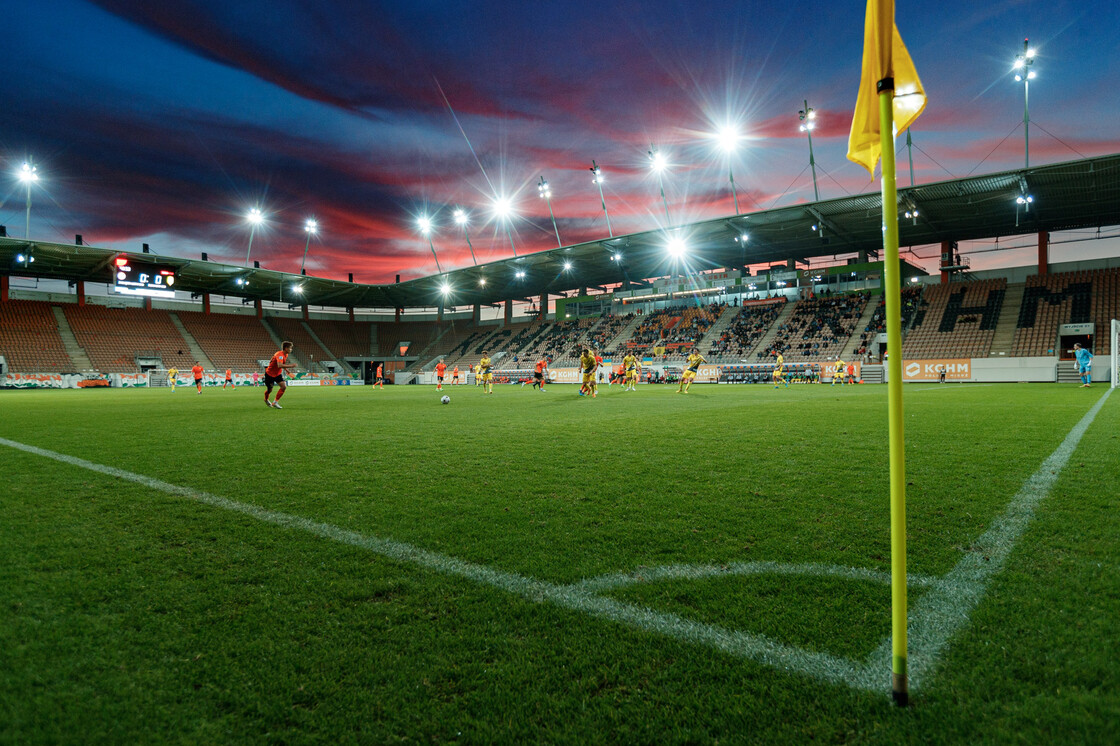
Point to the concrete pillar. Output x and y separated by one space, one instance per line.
80 287
147 304
544 306
397 314
260 308
439 312
1044 252
477 316
305 313
791 264
206 303
4 288
509 311
350 313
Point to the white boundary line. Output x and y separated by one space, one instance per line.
934 620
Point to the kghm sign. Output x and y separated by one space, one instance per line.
930 370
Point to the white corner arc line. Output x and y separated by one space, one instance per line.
942 612
754 647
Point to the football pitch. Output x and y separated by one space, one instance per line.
370 565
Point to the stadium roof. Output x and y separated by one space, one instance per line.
1070 195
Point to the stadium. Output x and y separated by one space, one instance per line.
485 515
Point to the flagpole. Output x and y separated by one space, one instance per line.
892 294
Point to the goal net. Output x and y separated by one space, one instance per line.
1114 355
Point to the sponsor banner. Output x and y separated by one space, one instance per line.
828 369
131 380
341 382
929 370
93 383
304 382
34 381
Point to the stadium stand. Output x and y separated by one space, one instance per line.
817 329
419 335
956 320
29 338
1066 298
304 347
344 338
234 342
747 327
113 337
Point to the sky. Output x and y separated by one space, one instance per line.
164 123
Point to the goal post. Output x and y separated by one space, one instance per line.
1114 354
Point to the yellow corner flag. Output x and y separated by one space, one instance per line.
884 56
889 92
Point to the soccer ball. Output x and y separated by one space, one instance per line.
445 400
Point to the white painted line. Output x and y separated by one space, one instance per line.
937 616
741 644
945 610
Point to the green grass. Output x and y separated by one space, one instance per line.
130 615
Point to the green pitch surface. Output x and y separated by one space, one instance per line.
370 565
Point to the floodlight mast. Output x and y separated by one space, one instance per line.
597 177
1025 75
657 163
255 218
29 174
546 194
463 219
312 227
808 117
503 210
729 139
425 225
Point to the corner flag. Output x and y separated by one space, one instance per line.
889 75
884 56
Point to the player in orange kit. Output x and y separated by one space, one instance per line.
196 371
440 368
274 374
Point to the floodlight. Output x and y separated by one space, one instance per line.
657 161
617 257
425 224
482 281
567 266
520 274
255 217
445 288
728 138
502 207
460 216
28 173
676 247
20 258
312 226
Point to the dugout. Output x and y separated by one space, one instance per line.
1071 334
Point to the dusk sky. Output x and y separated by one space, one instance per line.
164 122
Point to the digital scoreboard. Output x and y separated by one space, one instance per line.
141 278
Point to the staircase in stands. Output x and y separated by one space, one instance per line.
192 343
725 318
1004 338
852 347
70 342
783 316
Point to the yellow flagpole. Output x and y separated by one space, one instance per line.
892 293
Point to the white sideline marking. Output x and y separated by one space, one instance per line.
937 616
742 644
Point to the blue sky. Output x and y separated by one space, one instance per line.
166 122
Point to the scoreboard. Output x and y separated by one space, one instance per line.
141 278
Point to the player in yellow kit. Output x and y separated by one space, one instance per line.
588 364
630 365
780 376
484 373
692 366
838 372
173 378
